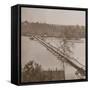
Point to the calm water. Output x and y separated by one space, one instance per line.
33 50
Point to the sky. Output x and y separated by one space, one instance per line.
50 16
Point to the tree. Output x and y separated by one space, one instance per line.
32 72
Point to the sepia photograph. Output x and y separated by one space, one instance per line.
53 44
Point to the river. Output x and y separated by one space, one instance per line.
33 50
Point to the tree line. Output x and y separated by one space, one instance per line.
52 30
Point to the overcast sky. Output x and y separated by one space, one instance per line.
61 17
